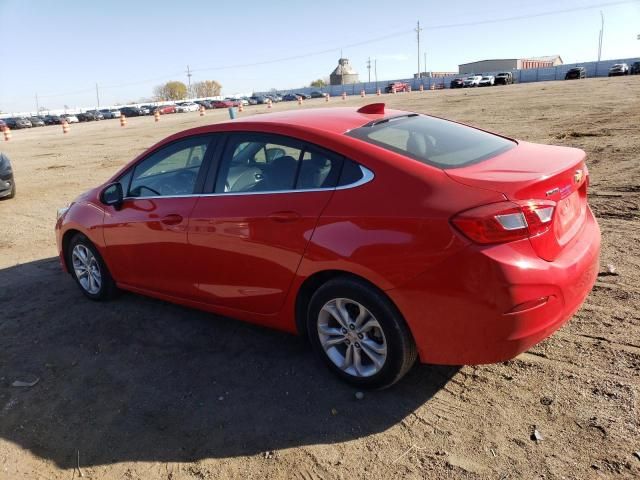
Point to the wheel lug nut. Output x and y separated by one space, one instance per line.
360 336
344 330
357 345
352 326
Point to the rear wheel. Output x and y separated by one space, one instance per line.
89 270
360 334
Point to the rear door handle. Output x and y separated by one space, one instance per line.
283 217
172 219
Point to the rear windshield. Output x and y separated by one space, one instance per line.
433 141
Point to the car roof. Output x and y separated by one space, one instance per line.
337 120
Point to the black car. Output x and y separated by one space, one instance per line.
96 114
52 120
304 96
504 78
289 97
37 121
457 83
131 112
85 117
635 68
7 184
205 103
17 122
576 73
318 94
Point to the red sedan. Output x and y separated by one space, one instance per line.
164 109
223 104
381 235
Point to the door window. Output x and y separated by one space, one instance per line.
172 170
269 163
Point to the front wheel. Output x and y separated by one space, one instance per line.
359 334
89 270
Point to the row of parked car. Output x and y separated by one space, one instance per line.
503 78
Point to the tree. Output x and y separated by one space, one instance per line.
207 88
319 83
173 90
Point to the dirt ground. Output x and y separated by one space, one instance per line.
141 389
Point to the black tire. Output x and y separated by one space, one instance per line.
400 347
108 289
13 191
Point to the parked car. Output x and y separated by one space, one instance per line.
275 97
494 237
2 125
97 114
635 68
165 109
487 81
110 113
17 122
131 112
399 87
575 73
253 100
504 78
86 117
259 99
145 110
457 83
37 121
205 103
235 102
304 96
187 107
245 101
472 81
223 104
7 182
619 69
290 97
318 94
69 118
52 120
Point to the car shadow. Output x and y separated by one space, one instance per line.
137 379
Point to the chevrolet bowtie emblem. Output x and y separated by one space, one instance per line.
577 177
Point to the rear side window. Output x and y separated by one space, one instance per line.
433 141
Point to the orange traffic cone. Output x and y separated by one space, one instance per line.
201 110
299 100
393 89
268 103
421 88
344 95
65 127
362 93
156 116
7 133
409 89
326 99
241 107
123 120
378 92
432 87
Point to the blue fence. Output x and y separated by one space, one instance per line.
594 69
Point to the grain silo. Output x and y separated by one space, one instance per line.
343 74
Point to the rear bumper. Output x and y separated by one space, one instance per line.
476 308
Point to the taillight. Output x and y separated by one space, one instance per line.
506 221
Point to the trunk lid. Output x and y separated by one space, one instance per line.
537 172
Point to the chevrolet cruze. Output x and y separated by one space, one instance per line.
382 235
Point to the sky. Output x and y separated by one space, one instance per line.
60 50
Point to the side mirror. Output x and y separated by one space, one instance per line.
112 195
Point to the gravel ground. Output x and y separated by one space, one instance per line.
141 389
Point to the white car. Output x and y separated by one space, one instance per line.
187 107
472 81
107 113
487 81
619 69
70 118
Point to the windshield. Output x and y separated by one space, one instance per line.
433 141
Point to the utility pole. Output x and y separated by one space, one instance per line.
425 65
189 81
375 71
97 95
369 68
418 30
601 34
37 106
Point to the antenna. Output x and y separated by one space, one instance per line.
418 30
189 80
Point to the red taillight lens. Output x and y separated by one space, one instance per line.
506 221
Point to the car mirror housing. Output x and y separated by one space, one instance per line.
112 195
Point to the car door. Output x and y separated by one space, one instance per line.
249 234
146 238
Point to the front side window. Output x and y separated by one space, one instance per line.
171 170
433 141
269 163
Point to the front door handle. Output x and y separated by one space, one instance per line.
172 219
284 217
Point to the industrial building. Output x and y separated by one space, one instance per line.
508 64
343 74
